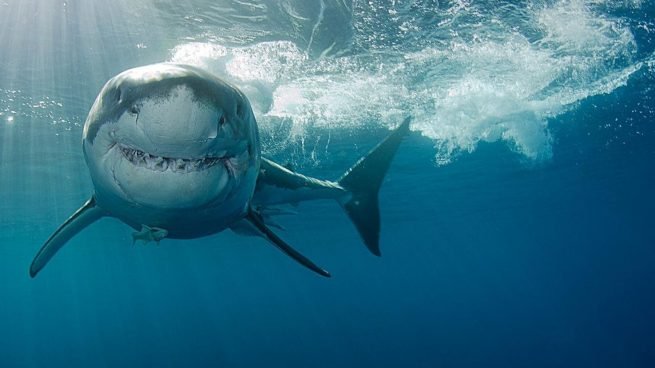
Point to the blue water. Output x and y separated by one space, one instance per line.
517 218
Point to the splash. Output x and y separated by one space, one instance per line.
492 82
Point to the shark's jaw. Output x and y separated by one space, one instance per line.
175 181
178 165
167 180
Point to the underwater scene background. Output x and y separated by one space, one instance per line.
517 217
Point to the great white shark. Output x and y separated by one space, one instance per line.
174 152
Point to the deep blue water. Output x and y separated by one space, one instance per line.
517 218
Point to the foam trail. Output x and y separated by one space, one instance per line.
495 84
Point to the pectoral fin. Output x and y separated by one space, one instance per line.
83 217
256 220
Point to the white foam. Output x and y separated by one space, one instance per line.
200 54
503 87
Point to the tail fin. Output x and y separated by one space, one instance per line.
363 181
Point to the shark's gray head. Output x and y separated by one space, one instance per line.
170 136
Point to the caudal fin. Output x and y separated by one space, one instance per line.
363 181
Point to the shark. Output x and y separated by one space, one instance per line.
173 151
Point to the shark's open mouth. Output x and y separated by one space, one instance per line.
178 165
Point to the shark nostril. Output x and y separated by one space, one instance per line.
213 132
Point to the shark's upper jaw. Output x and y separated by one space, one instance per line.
180 165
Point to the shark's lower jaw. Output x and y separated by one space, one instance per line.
177 165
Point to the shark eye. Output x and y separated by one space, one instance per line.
134 109
221 120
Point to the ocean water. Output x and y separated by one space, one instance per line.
517 217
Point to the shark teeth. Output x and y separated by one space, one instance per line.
177 165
